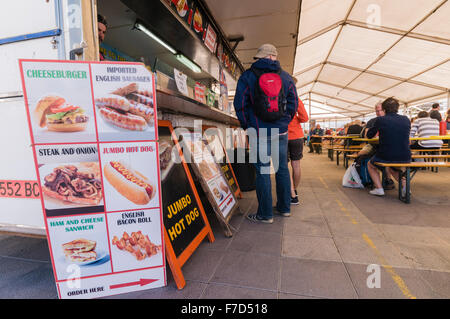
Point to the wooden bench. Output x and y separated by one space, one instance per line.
419 156
410 170
345 152
431 150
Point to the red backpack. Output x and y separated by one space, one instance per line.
270 101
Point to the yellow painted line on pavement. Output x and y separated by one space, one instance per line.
323 182
354 222
397 279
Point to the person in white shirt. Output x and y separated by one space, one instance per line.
425 126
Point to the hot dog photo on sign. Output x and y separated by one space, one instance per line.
130 175
124 102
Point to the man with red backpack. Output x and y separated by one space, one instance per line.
265 103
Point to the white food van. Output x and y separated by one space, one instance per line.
33 29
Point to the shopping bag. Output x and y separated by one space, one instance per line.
351 178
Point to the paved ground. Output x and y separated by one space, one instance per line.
322 251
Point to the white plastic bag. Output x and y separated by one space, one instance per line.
351 178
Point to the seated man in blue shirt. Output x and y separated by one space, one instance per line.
393 146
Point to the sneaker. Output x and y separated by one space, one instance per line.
284 214
377 192
294 201
255 218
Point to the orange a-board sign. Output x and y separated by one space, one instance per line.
185 221
95 146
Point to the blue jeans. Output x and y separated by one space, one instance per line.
263 182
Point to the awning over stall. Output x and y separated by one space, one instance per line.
353 53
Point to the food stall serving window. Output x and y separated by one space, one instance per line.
175 40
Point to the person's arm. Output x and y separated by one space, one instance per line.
414 128
241 102
301 112
373 130
291 98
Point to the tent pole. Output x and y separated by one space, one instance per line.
310 119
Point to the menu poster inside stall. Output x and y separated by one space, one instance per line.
199 22
94 138
183 8
200 93
211 38
185 221
211 178
181 82
223 98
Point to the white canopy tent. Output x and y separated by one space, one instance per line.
353 53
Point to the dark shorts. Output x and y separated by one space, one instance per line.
295 149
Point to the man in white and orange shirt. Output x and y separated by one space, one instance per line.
295 148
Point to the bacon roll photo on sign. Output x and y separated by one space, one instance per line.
129 183
127 107
55 114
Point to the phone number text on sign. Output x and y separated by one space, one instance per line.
19 189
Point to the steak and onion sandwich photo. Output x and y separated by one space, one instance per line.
54 113
72 184
129 182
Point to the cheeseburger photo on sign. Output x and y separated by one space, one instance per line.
52 112
55 118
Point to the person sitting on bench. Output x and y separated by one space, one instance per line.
316 140
393 147
425 126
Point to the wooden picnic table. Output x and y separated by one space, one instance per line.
375 140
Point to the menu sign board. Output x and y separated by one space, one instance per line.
211 178
214 142
185 221
94 137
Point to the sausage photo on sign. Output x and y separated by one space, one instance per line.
129 183
127 107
